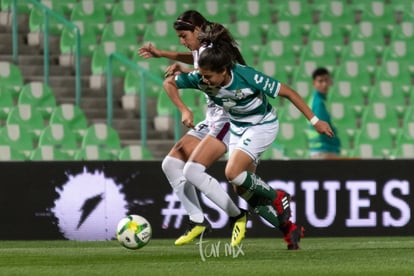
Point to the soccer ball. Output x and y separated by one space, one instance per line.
134 232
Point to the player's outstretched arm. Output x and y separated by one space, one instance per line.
187 117
320 126
150 51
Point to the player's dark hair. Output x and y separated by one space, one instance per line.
216 59
321 71
217 35
189 20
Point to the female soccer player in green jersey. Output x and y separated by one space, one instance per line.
242 91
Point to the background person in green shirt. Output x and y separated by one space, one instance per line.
321 146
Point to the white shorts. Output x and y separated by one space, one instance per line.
217 126
255 140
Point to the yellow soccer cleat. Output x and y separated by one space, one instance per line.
193 231
239 228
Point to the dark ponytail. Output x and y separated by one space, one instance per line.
217 35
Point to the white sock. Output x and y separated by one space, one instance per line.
195 173
173 170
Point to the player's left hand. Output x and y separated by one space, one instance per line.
187 118
173 70
324 128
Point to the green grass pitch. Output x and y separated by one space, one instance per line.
318 256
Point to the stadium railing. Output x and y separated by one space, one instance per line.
50 13
143 107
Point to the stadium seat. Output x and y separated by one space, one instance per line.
93 152
304 89
383 114
6 103
49 153
373 141
171 9
71 116
277 59
397 71
358 75
16 137
328 31
404 31
389 93
102 136
59 136
133 85
292 137
122 34
135 152
398 50
377 12
92 12
217 11
288 32
22 6
275 152
161 34
364 52
11 76
131 12
368 31
247 35
28 118
36 18
10 153
299 13
68 40
258 12
338 13
343 91
323 53
40 96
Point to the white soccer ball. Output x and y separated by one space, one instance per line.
134 232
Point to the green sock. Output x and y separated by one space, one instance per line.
268 213
255 184
260 206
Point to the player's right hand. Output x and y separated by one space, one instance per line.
173 70
187 118
148 51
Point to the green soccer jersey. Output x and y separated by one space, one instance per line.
244 98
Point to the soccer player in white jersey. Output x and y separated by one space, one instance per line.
242 92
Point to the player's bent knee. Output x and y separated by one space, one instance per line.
192 170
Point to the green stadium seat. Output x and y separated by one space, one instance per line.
162 35
373 141
36 18
59 136
274 152
358 74
248 36
6 103
304 89
345 119
368 31
40 96
131 12
382 113
27 118
171 9
49 153
408 123
404 31
22 6
377 12
217 11
343 91
286 31
277 59
397 71
390 93
68 40
328 31
259 12
338 12
10 153
102 136
299 13
15 136
92 12
135 152
363 52
11 76
93 152
133 82
100 56
72 116
399 50
122 34
323 53
292 137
